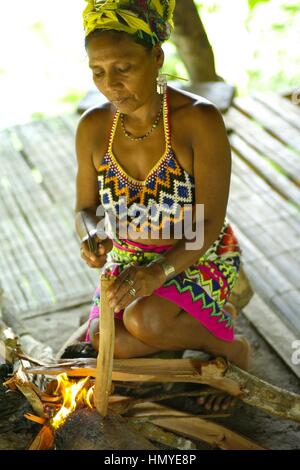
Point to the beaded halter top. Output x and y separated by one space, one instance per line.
167 193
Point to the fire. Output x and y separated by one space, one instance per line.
74 394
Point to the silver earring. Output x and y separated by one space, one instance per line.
161 84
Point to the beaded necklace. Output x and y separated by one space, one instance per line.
143 137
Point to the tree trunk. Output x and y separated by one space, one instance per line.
192 43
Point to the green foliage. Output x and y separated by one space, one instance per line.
72 97
278 27
38 28
253 3
266 55
38 115
292 9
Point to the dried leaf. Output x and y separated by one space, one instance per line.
50 398
44 440
10 383
27 388
35 419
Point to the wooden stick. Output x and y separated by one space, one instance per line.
157 434
216 373
106 349
193 427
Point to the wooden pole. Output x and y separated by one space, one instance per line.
105 357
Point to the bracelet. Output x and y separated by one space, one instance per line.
168 268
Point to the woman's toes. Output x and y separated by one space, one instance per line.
209 402
228 402
218 402
201 400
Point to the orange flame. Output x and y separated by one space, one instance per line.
74 394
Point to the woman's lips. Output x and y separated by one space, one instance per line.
120 101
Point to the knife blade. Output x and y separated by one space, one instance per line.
93 245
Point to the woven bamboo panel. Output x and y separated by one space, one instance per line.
264 203
41 269
271 120
284 107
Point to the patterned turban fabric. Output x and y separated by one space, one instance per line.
149 20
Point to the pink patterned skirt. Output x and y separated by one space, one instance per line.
202 290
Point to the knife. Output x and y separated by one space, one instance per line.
93 245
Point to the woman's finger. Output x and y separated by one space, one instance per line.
120 287
101 250
93 261
126 300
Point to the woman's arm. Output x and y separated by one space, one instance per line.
87 198
212 170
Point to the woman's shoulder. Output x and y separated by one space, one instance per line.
190 103
95 122
194 113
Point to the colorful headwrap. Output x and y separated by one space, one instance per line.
149 20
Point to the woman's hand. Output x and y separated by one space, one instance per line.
93 260
143 279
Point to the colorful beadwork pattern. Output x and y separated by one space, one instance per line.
167 187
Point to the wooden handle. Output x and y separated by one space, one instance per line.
106 349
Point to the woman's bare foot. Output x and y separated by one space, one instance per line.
230 308
239 355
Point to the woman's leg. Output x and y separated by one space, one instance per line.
126 345
162 324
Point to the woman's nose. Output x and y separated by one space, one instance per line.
113 83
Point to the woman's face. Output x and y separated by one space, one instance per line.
124 71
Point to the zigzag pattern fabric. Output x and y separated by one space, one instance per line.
202 290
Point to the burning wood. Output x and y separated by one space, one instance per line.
64 406
216 373
74 394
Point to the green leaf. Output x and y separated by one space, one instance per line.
11 343
252 3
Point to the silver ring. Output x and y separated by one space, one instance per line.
132 292
129 281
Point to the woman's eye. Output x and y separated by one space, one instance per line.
125 69
98 74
